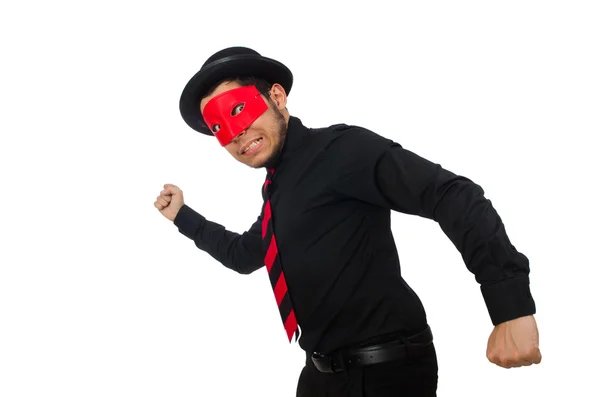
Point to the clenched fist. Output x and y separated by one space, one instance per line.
169 201
515 343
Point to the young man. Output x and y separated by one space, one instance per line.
324 235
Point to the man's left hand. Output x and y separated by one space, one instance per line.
515 343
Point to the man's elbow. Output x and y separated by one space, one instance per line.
248 267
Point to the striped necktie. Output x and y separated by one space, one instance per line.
273 264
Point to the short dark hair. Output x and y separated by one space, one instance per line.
262 85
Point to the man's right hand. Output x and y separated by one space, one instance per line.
169 201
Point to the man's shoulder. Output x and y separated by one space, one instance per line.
344 147
342 135
337 131
343 128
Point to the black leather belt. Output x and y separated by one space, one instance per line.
374 354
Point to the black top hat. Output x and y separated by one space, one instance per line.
228 63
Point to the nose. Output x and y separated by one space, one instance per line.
241 134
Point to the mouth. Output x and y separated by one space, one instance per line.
252 148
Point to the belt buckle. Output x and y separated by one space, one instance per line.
322 362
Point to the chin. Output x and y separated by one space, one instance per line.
254 162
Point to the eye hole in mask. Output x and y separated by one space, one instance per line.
237 109
215 128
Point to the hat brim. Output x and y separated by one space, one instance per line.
228 67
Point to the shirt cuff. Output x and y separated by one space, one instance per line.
188 221
508 299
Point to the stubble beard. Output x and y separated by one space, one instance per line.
281 126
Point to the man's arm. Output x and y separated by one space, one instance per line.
412 184
239 252
379 171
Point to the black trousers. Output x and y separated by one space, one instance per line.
411 377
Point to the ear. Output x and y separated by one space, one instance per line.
278 96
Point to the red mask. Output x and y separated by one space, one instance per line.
233 111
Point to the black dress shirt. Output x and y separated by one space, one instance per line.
331 196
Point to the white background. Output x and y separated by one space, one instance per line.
101 296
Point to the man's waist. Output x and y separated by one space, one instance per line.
398 348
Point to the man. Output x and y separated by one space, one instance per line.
324 235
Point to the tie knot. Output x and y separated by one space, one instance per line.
270 172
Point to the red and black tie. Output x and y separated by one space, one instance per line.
273 265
